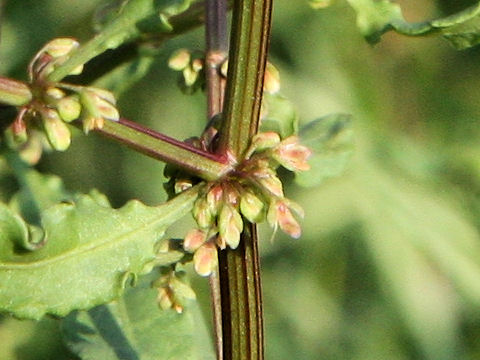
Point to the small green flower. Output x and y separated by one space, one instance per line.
69 108
251 206
57 131
230 225
202 213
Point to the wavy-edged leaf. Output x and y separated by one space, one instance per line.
331 140
37 193
90 250
375 17
15 230
134 328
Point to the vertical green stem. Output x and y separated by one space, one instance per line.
241 291
240 283
247 60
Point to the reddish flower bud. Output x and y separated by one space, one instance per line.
214 199
179 60
271 82
291 155
194 239
205 259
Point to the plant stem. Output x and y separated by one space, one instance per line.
240 282
196 161
217 44
247 60
127 27
216 52
242 299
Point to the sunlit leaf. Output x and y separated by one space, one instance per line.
331 140
134 327
90 250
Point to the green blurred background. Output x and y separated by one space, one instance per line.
389 264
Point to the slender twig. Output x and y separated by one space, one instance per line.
206 165
217 44
216 52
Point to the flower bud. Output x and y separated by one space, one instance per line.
279 213
270 182
55 93
220 241
69 108
205 259
107 110
224 68
291 155
103 94
190 76
60 47
202 214
179 60
197 64
181 185
230 225
31 151
271 83
251 207
194 239
19 128
165 298
57 131
92 123
214 199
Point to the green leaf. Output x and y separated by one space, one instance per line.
279 116
90 251
18 232
37 193
133 327
463 35
331 140
375 17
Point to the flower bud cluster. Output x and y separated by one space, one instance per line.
252 192
173 290
54 105
190 65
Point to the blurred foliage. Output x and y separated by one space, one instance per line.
389 264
